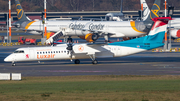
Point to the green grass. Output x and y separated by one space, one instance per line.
92 88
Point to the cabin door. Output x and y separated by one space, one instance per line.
31 54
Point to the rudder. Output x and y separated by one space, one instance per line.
154 13
20 12
157 32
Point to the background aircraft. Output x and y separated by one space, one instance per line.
145 9
82 51
116 16
175 30
94 29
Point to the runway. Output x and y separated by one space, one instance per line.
146 63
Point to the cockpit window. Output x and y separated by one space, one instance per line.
19 51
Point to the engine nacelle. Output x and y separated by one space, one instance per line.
175 33
90 37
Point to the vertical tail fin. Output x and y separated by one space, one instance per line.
145 9
157 32
20 12
154 12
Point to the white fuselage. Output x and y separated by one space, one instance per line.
74 28
59 52
174 26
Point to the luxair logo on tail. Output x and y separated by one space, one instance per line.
19 11
154 12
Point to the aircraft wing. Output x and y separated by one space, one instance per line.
97 44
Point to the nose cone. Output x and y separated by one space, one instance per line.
7 59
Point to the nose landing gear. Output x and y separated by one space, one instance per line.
13 64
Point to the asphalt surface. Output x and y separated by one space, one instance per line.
145 63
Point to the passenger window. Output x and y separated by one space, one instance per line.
49 52
37 52
64 51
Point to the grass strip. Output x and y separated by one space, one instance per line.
92 88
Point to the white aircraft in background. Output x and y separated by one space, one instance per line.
121 17
116 16
82 51
89 30
145 9
175 27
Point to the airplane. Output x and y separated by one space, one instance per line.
175 28
95 29
145 9
99 50
115 16
121 17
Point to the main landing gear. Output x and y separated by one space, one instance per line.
77 61
93 58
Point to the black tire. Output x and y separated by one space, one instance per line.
13 64
77 61
94 62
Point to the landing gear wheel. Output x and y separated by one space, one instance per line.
94 62
13 64
77 61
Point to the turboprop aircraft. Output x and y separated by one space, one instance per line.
94 29
89 50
